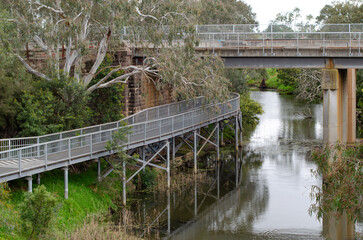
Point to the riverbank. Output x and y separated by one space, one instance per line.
272 83
87 198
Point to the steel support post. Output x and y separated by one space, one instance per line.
38 178
168 163
124 183
217 141
237 164
99 169
195 152
236 132
173 150
222 137
195 196
143 158
169 212
240 130
30 183
65 182
218 191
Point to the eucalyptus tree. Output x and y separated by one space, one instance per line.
89 27
224 12
350 11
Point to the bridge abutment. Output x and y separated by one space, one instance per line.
339 120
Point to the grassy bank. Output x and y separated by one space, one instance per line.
273 82
86 197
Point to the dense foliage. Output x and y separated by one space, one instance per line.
350 11
250 109
13 79
8 220
342 170
224 12
57 105
37 211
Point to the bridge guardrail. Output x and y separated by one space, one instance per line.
44 154
144 115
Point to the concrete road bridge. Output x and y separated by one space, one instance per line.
334 48
276 46
155 133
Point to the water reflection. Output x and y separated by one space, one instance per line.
261 192
273 199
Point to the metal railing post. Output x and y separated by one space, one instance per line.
159 128
46 155
38 148
213 44
360 36
272 41
238 44
350 42
91 145
69 149
19 157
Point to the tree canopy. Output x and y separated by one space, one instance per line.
224 12
350 11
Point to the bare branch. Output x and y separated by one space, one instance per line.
102 50
145 16
47 7
40 43
32 70
135 70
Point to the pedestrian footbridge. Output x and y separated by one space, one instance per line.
153 132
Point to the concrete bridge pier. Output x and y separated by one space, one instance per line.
339 120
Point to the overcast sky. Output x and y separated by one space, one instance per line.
266 10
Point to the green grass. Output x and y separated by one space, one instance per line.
85 196
273 82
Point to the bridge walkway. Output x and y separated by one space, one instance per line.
24 157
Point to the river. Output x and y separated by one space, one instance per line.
262 192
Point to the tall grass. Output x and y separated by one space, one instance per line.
85 196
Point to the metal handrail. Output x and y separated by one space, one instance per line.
44 150
7 144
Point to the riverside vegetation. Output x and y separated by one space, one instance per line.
61 99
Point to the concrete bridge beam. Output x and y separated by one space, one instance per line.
339 121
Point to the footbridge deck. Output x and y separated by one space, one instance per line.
24 157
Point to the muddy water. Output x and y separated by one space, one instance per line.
261 192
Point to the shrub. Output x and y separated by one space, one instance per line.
37 211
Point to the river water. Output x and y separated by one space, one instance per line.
261 192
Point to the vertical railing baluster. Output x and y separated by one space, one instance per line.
19 157
69 149
46 155
90 145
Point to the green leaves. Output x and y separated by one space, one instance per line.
37 211
250 109
342 170
58 105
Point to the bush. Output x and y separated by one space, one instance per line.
146 179
342 170
37 211
250 109
57 105
9 217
